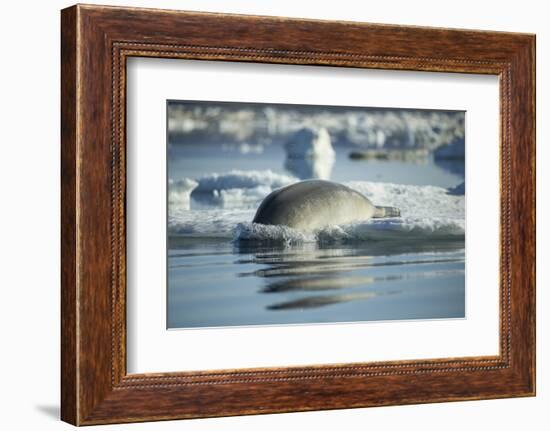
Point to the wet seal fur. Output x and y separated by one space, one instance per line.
314 204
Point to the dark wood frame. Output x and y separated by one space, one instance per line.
95 43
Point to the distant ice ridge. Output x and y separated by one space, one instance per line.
428 213
366 128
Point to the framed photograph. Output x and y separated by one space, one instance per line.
263 214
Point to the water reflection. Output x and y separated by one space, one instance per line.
333 283
320 301
328 269
310 276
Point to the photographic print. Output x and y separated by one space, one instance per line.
300 214
263 222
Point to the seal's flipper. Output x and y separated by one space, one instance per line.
383 212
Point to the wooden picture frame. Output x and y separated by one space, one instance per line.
95 43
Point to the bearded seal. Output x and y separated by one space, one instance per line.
314 204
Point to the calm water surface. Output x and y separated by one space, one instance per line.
213 283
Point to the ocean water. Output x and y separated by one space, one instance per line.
223 270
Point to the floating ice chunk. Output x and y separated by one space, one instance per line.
238 198
413 201
309 143
179 191
238 189
242 180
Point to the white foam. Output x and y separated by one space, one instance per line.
218 223
375 230
268 233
